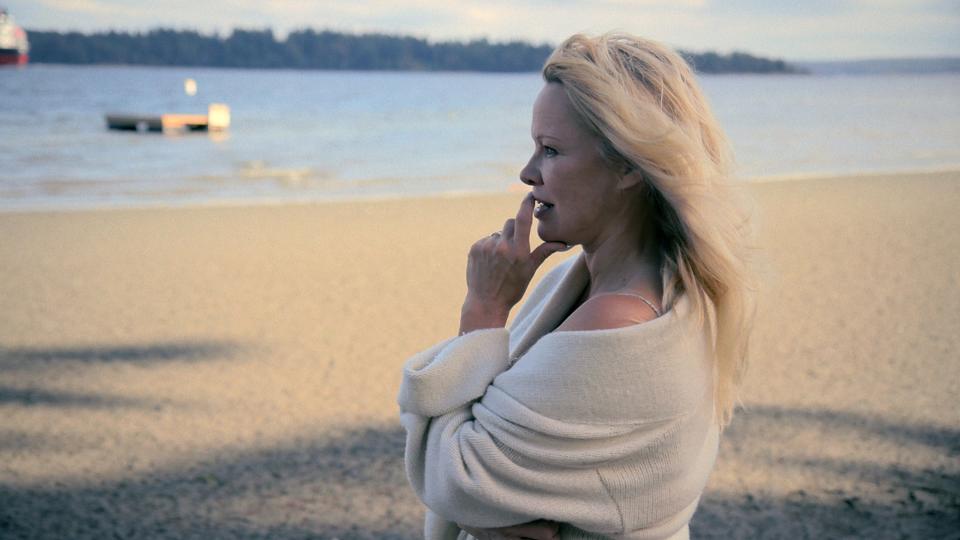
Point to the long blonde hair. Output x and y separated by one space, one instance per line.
642 101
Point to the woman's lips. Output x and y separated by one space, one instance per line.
540 208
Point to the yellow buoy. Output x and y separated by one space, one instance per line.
218 117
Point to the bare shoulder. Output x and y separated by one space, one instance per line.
608 311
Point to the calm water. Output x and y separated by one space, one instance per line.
326 135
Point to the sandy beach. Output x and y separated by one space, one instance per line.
231 372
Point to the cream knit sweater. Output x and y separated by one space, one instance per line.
609 432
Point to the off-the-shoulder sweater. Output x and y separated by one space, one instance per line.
609 432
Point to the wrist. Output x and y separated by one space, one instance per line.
478 315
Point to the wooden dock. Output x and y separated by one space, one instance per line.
216 119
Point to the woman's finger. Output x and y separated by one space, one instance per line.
544 250
523 222
508 227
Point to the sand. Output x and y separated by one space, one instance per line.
231 372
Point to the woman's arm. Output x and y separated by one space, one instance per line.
499 270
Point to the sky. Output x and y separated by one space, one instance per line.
788 29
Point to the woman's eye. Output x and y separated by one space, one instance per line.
549 152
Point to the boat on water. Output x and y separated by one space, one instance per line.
14 47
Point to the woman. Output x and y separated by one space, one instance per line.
598 412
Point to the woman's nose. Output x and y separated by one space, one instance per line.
530 175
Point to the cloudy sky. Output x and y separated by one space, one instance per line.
791 29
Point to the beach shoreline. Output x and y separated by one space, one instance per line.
246 202
230 371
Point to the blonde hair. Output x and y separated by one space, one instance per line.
641 99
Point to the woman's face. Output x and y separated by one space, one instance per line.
577 193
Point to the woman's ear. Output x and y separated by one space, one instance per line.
630 177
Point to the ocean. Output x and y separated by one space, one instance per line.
327 135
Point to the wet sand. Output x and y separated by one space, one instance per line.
231 372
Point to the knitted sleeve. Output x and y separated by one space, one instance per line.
466 474
453 373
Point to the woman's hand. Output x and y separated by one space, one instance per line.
537 530
500 268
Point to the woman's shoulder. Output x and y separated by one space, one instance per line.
609 311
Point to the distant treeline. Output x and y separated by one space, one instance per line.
884 66
310 49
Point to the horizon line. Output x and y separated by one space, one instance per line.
467 39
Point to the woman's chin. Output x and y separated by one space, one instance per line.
546 234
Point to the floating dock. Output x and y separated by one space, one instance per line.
216 119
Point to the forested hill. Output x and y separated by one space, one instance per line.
309 49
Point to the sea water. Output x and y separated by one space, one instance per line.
321 135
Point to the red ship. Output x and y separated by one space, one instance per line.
14 47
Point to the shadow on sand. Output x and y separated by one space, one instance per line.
299 492
35 359
915 503
12 358
351 485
